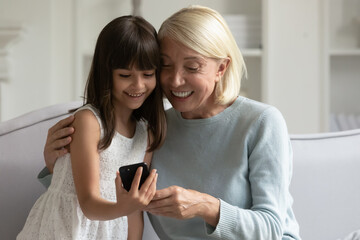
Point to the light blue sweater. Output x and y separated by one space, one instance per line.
242 156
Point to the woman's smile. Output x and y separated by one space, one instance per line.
183 94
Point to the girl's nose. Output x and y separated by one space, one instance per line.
138 81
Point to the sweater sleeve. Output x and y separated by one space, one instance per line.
45 177
270 168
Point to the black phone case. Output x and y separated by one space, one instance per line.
127 174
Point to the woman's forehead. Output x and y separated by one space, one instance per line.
169 47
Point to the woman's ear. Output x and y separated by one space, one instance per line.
223 65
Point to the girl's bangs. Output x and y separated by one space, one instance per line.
138 52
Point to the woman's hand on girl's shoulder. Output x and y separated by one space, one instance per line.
57 141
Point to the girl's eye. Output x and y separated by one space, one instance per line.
149 74
124 75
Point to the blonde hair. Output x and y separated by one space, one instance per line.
205 31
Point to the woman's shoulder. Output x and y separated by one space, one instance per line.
255 111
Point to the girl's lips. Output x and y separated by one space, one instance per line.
135 94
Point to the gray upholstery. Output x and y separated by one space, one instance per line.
325 185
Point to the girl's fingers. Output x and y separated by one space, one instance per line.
136 181
148 181
152 189
118 183
144 188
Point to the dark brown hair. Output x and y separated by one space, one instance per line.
126 42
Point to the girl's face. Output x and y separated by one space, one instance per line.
131 87
188 80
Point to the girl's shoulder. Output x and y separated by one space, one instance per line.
87 117
90 108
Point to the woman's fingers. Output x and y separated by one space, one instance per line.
60 143
58 137
60 134
61 124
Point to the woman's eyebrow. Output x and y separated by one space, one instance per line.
197 58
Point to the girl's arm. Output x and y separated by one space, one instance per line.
135 225
86 173
136 220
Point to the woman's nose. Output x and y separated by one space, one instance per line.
177 78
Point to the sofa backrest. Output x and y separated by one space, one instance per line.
325 184
22 142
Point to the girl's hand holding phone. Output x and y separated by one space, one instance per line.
135 199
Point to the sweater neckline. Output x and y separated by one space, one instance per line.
226 113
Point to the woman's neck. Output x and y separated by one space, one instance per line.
210 111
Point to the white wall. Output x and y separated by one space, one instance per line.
58 35
30 57
293 63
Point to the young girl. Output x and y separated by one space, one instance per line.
121 123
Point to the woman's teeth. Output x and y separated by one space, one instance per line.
181 94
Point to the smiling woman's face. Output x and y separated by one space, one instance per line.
188 79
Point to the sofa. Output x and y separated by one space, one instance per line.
325 184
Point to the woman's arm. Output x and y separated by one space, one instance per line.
86 173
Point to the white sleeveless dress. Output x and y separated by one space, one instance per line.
57 213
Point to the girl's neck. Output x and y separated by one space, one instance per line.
125 124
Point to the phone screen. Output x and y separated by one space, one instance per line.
127 174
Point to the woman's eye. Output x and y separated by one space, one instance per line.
193 69
165 65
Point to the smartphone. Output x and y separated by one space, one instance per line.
127 174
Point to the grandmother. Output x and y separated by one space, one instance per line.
226 163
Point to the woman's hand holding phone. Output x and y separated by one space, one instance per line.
136 198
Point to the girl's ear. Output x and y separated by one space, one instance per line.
223 65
